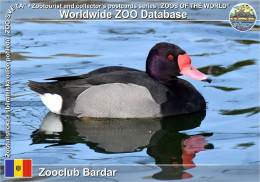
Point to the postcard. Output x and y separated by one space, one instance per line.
130 90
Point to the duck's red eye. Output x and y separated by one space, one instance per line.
170 57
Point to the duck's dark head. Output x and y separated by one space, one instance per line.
165 61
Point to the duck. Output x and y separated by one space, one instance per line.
122 92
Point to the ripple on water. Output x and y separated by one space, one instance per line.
250 111
217 70
126 31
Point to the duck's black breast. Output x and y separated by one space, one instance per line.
183 98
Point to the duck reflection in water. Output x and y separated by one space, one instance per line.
174 154
172 150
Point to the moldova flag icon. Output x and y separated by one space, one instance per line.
18 168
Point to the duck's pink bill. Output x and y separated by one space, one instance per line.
188 70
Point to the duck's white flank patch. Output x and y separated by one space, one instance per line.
52 101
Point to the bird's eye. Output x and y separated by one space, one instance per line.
170 57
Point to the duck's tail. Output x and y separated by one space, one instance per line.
41 87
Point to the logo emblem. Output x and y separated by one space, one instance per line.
18 168
242 17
